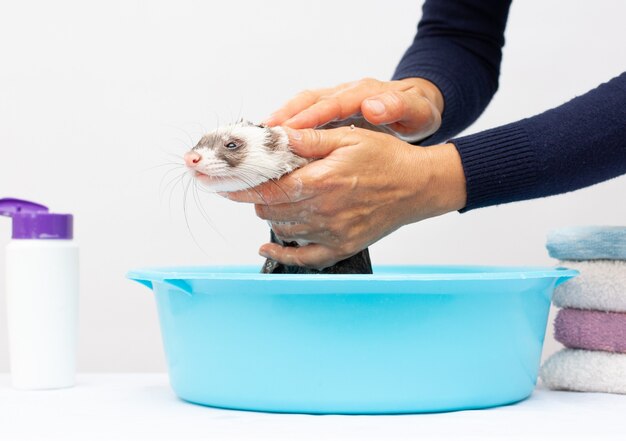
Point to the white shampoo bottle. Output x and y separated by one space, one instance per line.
42 296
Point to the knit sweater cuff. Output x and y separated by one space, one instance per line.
499 164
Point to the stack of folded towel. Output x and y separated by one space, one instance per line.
592 321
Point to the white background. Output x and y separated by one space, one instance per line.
94 95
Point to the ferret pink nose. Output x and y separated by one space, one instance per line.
192 158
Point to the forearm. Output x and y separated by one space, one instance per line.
458 48
443 189
577 144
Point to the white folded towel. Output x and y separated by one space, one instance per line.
601 285
585 371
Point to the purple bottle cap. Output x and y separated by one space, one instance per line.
33 221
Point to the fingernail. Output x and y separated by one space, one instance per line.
294 135
264 253
375 106
268 121
224 194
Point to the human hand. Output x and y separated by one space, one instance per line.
411 108
367 185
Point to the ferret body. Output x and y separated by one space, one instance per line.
244 155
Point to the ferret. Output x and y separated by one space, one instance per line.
243 155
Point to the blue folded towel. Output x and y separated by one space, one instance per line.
587 243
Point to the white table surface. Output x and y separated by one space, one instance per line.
142 406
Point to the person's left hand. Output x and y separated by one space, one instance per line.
367 185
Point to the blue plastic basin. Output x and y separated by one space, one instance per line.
405 339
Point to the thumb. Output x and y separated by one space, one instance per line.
310 143
308 256
408 112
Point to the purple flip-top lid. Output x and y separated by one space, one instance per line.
33 221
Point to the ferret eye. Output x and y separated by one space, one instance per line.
231 145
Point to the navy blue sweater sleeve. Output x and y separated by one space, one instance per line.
580 143
458 47
577 144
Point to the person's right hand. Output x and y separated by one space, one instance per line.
411 108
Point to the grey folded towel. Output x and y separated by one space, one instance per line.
601 285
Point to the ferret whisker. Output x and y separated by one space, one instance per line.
175 155
165 176
198 202
174 182
173 158
178 180
171 168
193 237
252 175
253 172
167 164
239 117
203 189
185 144
188 136
251 178
182 170
201 209
252 188
256 167
162 188
181 130
197 123
273 181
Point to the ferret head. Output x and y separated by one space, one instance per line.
240 156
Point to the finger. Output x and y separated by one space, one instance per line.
288 189
408 112
310 143
308 256
323 112
345 102
294 232
295 105
299 212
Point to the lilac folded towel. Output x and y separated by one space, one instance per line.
594 330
